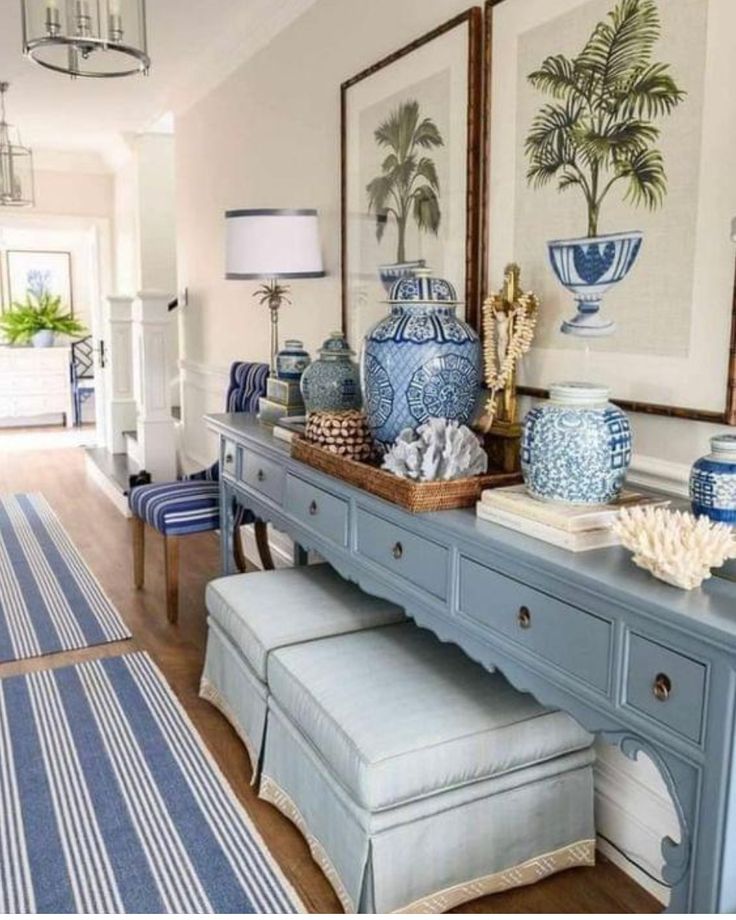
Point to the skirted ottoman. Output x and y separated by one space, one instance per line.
419 779
252 615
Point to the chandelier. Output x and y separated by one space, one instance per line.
16 164
87 38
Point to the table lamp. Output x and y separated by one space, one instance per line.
272 244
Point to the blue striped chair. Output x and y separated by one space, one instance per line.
192 505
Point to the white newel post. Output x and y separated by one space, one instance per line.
156 435
120 400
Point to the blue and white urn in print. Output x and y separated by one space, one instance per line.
588 268
713 481
576 446
421 361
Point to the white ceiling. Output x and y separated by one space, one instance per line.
193 45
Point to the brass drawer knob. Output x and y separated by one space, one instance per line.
260 475
662 687
397 551
313 509
524 618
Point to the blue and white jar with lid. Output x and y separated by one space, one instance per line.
713 481
421 361
576 446
292 360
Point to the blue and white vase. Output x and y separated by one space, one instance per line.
713 481
420 361
292 360
332 382
588 268
576 446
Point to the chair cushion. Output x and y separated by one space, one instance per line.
263 611
397 715
178 507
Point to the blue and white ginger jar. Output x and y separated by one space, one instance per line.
292 360
576 447
332 383
713 481
419 362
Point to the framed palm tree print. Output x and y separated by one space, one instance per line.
411 151
611 182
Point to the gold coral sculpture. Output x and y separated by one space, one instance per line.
509 321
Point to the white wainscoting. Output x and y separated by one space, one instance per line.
633 807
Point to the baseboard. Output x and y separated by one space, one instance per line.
282 547
108 488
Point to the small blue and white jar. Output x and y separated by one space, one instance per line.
713 481
332 382
576 446
421 361
292 360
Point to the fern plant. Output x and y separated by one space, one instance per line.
408 185
40 311
600 130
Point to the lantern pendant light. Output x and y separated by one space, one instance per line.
87 38
16 164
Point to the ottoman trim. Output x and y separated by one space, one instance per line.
209 692
580 853
272 793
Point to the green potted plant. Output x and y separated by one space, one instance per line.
600 134
39 319
408 186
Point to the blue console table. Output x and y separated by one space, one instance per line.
648 667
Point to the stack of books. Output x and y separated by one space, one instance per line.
572 527
283 399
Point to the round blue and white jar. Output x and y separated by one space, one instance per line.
292 360
332 382
419 362
713 481
576 446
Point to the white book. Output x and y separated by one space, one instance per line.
283 434
516 501
574 542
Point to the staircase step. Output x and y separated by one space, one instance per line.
111 472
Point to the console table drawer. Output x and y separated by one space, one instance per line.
263 475
321 512
666 685
420 561
576 641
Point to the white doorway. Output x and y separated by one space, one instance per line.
87 240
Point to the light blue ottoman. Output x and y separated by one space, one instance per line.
252 615
419 779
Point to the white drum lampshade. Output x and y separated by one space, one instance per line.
272 243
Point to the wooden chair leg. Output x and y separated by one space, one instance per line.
238 552
171 571
138 530
264 550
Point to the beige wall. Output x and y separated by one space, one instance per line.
75 194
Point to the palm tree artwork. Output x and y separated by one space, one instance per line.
408 186
600 134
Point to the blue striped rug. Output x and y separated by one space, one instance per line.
49 599
109 802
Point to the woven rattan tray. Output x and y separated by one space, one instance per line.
414 496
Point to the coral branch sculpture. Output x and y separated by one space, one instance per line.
440 450
509 320
675 546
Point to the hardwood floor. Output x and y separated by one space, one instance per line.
102 535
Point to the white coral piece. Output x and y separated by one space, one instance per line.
675 546
440 450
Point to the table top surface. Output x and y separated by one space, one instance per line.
708 611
